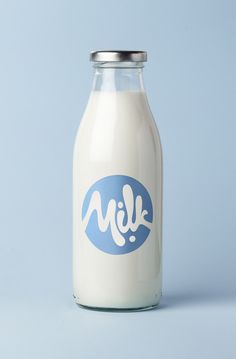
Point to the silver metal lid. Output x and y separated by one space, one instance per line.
118 56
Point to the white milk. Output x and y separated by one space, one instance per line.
117 137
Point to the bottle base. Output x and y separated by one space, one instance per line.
111 309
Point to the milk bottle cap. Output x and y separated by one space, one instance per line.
118 56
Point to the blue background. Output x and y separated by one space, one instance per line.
45 79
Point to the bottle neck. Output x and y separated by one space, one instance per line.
120 76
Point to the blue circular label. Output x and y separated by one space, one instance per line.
117 214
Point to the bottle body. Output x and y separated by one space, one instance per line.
117 203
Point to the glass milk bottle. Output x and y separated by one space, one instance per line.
117 190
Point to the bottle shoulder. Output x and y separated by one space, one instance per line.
117 119
129 109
